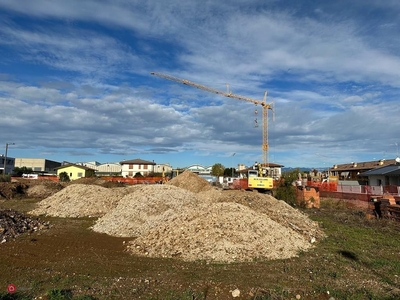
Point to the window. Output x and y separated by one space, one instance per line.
130 166
130 173
80 174
145 167
70 174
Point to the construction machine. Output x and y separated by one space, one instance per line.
259 179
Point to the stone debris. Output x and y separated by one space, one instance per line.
191 182
149 206
14 223
81 200
190 219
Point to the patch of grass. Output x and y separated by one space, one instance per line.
57 294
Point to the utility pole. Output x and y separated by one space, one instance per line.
233 167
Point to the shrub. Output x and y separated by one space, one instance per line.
63 177
5 178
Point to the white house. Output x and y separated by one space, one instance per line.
387 175
129 168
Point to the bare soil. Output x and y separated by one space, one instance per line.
171 242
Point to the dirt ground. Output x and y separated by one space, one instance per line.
142 264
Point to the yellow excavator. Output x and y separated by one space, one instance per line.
260 180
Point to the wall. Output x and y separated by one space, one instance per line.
73 172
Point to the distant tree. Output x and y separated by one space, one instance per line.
138 174
90 173
63 177
18 171
217 170
229 172
285 190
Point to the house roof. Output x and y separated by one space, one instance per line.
137 161
73 165
362 166
391 170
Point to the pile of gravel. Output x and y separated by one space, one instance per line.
210 224
146 208
191 182
190 220
14 223
80 200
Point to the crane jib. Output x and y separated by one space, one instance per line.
263 103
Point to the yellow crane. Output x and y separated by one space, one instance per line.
265 106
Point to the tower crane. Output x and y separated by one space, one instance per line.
265 106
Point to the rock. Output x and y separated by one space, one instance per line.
235 293
14 223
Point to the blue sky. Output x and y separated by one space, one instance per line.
75 81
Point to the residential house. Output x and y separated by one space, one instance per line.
75 171
383 176
129 168
351 171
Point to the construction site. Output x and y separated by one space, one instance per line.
148 234
186 218
138 231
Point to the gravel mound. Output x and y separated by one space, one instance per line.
43 189
189 219
222 232
275 209
80 200
191 182
147 207
208 224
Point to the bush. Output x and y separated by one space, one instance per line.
63 177
5 178
285 190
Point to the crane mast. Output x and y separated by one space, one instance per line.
265 106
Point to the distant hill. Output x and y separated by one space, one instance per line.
302 169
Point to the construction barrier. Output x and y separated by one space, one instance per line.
136 180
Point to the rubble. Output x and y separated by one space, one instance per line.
80 200
14 223
191 182
190 219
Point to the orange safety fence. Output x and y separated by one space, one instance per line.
323 186
137 180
